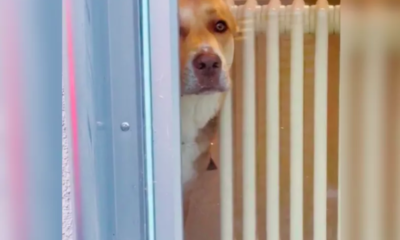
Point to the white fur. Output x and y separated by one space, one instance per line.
196 111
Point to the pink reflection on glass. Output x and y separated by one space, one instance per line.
74 116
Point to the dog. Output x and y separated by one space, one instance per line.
207 29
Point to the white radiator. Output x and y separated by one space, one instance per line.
363 184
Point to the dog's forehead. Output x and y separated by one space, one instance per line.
192 8
186 13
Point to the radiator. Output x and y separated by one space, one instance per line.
282 116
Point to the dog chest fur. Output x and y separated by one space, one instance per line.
196 113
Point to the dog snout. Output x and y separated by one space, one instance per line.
207 68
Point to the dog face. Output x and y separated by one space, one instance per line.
207 29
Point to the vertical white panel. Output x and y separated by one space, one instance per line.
344 225
249 133
296 123
273 127
306 19
337 19
320 120
397 159
373 114
5 176
226 161
331 19
313 20
282 19
163 20
226 166
396 45
288 18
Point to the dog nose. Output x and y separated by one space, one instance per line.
206 62
207 68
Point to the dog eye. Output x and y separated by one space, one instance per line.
220 26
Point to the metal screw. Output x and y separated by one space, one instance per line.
125 126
